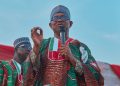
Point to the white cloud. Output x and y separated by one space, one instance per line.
112 37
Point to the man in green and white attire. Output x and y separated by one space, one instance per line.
61 60
11 73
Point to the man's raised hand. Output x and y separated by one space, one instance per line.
37 35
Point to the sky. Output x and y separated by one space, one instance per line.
95 23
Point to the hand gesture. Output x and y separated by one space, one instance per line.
65 51
36 35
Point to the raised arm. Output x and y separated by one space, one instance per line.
37 37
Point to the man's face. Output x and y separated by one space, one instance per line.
59 19
23 52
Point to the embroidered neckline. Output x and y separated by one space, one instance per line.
18 66
18 70
52 53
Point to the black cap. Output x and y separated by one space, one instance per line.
60 9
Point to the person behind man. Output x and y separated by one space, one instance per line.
11 72
59 63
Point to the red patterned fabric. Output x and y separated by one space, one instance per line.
18 80
5 77
6 52
116 69
89 79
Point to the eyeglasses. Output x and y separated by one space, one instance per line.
56 18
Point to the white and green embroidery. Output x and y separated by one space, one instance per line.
84 53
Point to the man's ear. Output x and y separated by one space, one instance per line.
71 23
50 25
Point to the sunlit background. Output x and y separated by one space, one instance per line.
95 23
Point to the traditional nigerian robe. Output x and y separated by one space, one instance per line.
91 74
9 75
